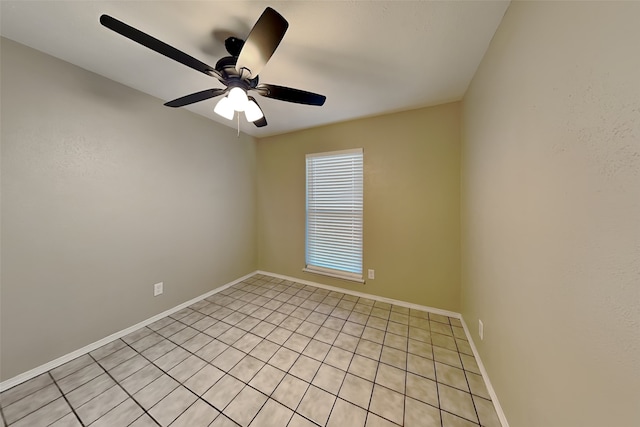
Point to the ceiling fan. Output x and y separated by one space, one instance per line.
238 72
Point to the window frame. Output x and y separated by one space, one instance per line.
357 221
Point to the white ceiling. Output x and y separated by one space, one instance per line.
367 57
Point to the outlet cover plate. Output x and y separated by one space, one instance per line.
371 274
158 288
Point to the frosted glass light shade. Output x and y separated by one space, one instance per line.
238 98
224 108
253 112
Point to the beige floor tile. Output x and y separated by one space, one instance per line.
316 405
272 414
477 385
447 356
267 379
441 328
317 350
102 383
25 389
420 348
223 421
299 421
421 366
391 377
247 368
223 392
247 343
198 414
373 334
419 414
305 368
204 379
394 357
290 391
451 376
69 420
245 406
264 351
422 389
284 358
486 412
45 415
297 342
101 404
346 342
450 420
329 378
357 390
261 350
122 415
212 350
34 401
374 420
457 402
444 341
339 358
469 363
363 367
396 341
387 404
369 349
187 368
346 414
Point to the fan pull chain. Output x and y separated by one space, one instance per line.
238 113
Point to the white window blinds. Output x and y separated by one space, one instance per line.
334 213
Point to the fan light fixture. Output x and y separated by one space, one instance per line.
224 108
238 72
237 100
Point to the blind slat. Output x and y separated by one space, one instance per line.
334 211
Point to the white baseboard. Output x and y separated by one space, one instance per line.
483 371
25 376
485 376
18 379
365 295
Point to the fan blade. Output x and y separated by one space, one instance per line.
195 97
291 95
156 45
264 38
260 122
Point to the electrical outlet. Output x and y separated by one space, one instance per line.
481 329
158 288
371 274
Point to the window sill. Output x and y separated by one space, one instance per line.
350 278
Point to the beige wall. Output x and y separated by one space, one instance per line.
551 213
104 193
411 202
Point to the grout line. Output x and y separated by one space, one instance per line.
32 410
434 310
246 294
64 395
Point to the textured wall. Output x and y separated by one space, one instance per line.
551 213
411 202
104 193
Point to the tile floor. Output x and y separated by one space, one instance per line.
268 352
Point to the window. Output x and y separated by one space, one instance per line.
334 214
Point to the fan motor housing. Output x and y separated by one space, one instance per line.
227 68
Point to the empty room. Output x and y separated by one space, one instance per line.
319 213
